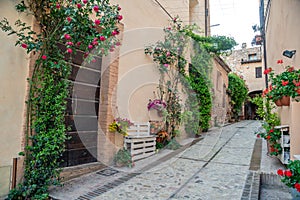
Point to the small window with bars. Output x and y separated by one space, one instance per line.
258 72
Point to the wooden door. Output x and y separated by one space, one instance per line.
82 112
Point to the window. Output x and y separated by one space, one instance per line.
258 72
252 56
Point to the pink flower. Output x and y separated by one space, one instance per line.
102 38
69 50
95 43
168 53
86 54
67 36
58 6
44 57
119 8
119 17
115 32
94 60
69 43
97 21
166 65
79 5
118 43
90 46
96 8
78 43
69 19
85 1
24 45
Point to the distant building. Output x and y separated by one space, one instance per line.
247 63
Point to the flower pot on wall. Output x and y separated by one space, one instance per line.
285 100
278 102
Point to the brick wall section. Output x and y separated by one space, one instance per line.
107 105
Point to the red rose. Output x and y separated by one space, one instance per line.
271 131
268 137
297 186
119 17
119 8
115 32
44 57
102 38
96 8
288 173
58 6
280 172
258 136
79 5
279 61
69 19
69 43
67 36
24 45
298 91
97 21
84 1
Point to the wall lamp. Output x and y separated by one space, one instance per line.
288 53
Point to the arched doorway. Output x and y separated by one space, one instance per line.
250 108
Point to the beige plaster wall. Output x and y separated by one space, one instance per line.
13 74
253 83
220 98
138 75
282 32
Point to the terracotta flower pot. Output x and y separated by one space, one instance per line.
278 102
285 100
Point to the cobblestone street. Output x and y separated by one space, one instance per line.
216 167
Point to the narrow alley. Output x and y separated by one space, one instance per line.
216 167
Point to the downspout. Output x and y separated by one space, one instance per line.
206 17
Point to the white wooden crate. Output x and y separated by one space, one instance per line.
140 146
139 129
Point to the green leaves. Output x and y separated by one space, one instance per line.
48 85
238 92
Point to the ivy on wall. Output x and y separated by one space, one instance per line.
238 91
67 23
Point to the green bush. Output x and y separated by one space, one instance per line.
238 91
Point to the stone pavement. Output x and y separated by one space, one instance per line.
216 167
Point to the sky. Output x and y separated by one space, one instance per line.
236 18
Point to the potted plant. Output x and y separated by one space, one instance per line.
157 104
123 158
283 85
291 177
120 125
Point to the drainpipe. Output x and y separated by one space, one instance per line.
206 17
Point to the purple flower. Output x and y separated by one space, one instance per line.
156 104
